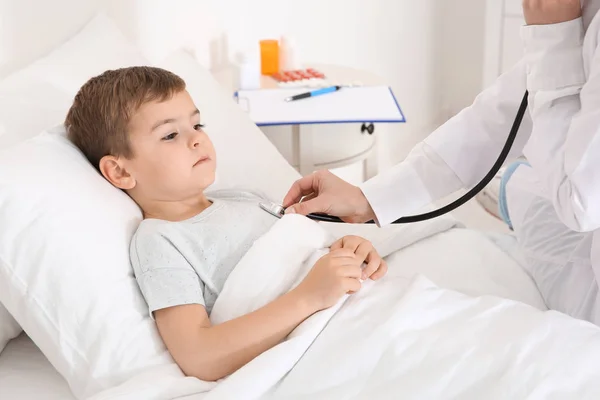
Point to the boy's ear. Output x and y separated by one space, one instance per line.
113 170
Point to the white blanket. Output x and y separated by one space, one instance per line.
396 338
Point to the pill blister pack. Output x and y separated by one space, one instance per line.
309 77
298 75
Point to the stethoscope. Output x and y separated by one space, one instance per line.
278 210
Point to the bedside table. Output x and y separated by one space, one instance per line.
309 146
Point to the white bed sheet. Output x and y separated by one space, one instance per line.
25 374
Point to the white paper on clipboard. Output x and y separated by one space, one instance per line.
347 105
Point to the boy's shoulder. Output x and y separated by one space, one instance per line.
152 226
150 231
153 240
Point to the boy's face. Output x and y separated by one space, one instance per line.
173 158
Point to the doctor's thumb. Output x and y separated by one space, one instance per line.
311 206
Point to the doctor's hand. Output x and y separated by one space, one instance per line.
376 267
546 12
324 192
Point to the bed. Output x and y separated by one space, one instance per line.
444 280
26 374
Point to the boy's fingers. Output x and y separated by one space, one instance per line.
350 242
351 271
372 267
352 285
343 253
336 245
381 271
365 251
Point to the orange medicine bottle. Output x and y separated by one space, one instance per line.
269 56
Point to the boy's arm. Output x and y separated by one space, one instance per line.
210 352
175 296
213 352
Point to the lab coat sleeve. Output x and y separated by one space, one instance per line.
457 155
564 148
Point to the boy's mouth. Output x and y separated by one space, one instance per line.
201 160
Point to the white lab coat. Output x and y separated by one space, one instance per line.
560 136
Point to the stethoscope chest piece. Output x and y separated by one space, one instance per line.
274 209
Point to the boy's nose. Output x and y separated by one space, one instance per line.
196 139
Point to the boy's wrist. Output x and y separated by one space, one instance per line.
303 303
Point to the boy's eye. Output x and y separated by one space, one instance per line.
170 136
198 126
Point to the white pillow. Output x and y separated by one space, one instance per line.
37 97
65 273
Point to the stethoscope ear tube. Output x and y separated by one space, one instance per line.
471 193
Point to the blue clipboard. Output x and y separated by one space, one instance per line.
367 104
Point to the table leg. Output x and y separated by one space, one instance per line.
370 164
302 149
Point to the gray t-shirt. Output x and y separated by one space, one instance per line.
188 262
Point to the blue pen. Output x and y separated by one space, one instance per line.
314 93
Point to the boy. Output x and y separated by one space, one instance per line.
140 128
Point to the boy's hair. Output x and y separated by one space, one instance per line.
98 120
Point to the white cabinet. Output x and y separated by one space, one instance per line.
503 42
333 145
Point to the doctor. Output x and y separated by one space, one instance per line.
554 202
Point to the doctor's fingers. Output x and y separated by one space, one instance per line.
308 197
317 204
302 187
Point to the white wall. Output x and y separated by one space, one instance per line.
461 47
20 22
430 51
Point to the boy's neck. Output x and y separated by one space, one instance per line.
175 211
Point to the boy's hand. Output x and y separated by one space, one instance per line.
376 267
333 276
546 12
